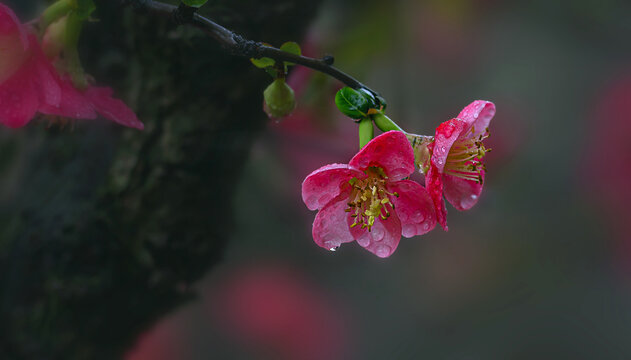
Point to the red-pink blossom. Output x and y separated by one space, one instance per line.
271 307
369 200
29 83
27 78
87 104
455 167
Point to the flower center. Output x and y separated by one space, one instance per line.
369 198
465 158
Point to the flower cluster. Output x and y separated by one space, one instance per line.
371 200
31 81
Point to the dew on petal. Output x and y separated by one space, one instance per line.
417 217
330 244
382 250
378 234
409 230
473 196
311 199
364 240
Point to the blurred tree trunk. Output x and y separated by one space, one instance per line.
103 229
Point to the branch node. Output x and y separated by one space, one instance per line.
328 59
245 47
183 14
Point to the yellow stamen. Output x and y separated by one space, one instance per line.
370 198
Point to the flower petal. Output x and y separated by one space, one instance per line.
382 239
322 185
414 207
446 134
460 193
434 184
9 23
18 99
45 76
72 105
111 108
391 151
478 114
330 227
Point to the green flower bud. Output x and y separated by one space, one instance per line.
279 99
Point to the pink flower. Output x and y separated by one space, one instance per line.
273 308
30 84
94 100
455 166
369 199
27 78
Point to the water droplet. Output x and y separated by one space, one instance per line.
473 197
364 240
330 244
440 162
311 199
443 149
408 230
334 248
425 227
382 250
378 234
417 217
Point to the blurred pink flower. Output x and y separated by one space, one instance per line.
162 342
87 104
606 165
368 200
455 166
27 78
273 308
29 83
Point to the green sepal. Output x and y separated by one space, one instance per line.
352 103
263 62
194 3
366 132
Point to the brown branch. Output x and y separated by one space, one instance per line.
240 46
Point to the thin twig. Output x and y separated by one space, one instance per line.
240 46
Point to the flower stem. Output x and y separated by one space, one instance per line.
366 132
384 123
56 11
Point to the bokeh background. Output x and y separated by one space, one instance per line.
540 268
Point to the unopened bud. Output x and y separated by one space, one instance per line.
279 99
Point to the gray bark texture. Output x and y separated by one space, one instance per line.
104 229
